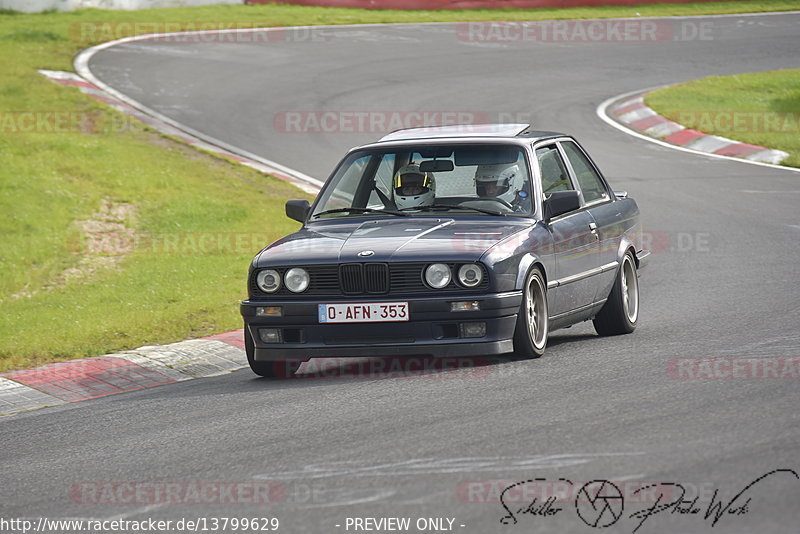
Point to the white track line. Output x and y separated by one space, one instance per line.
82 68
82 60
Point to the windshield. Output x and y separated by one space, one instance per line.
490 180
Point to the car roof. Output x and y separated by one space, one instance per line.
460 131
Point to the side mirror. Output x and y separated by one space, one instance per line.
561 202
298 209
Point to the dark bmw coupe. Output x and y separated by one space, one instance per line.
447 241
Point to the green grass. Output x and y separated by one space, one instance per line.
157 294
760 108
50 181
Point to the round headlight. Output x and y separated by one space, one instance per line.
470 275
268 281
296 280
437 275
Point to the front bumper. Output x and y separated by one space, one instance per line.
642 258
432 329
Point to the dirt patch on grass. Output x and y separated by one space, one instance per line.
110 221
113 219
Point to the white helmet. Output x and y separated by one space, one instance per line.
412 188
499 180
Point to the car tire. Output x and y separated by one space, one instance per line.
620 313
276 369
532 330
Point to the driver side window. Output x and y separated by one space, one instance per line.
344 194
554 173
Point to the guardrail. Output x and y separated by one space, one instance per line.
469 4
35 6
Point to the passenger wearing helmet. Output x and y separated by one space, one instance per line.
503 181
412 188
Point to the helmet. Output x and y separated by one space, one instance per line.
502 181
412 188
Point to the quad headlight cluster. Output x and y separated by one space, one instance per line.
438 275
296 280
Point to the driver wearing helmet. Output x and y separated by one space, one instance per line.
504 182
412 188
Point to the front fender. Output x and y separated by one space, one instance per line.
525 264
511 259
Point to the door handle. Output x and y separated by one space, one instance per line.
593 228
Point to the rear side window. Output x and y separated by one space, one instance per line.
554 173
590 182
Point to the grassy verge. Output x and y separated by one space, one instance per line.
200 218
760 108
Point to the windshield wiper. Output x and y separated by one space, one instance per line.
435 207
360 210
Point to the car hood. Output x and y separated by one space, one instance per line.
418 239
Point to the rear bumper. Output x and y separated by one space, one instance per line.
432 329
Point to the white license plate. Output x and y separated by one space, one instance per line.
364 312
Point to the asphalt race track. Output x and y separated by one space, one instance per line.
722 282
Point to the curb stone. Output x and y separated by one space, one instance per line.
632 112
90 378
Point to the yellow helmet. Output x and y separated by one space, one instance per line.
413 188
